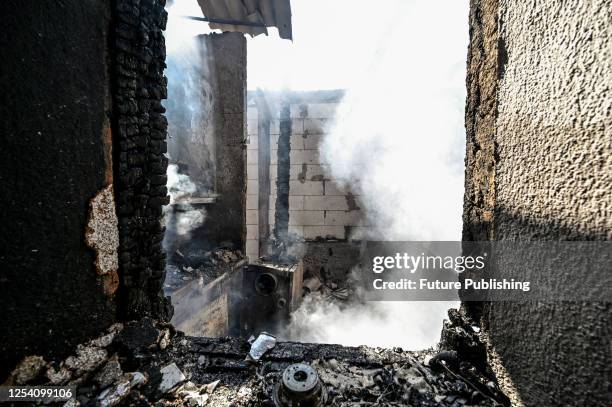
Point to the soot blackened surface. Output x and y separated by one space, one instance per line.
54 82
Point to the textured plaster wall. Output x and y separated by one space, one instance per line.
550 165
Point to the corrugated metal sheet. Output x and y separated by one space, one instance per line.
271 13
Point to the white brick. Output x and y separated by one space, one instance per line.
297 126
252 113
271 218
252 217
306 218
252 142
336 203
312 232
299 110
252 232
316 126
272 202
296 202
295 172
252 157
273 156
252 202
252 171
273 170
252 126
322 110
343 218
359 232
331 188
252 187
252 248
297 142
275 127
314 172
297 230
306 188
312 141
305 157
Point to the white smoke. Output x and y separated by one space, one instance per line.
399 143
187 110
181 188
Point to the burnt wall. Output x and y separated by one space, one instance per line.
538 168
83 171
225 218
140 145
55 158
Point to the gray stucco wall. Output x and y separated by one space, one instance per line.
539 167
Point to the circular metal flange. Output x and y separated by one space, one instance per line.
299 386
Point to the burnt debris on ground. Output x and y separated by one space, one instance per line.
147 363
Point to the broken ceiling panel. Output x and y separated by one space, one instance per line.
269 13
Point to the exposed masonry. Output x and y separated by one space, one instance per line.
102 235
318 207
140 144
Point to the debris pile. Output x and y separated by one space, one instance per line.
203 266
147 363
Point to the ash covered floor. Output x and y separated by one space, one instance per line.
146 363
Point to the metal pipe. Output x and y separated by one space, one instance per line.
224 21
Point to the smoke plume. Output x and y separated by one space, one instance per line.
398 142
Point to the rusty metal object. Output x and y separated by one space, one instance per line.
299 386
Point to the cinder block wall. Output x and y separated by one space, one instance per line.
319 207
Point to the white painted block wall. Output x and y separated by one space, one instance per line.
319 207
